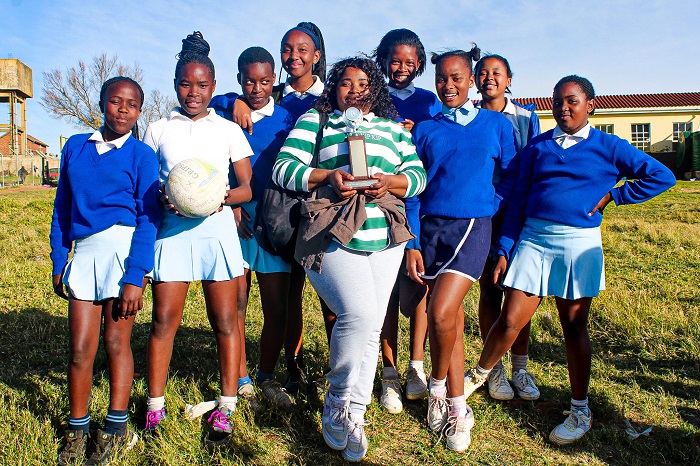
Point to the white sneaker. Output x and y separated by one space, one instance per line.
334 421
391 395
458 430
573 428
438 410
525 385
472 381
416 384
357 445
499 387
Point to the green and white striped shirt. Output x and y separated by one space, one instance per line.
389 151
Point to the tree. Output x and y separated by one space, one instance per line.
75 94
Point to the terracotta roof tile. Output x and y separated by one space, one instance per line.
678 99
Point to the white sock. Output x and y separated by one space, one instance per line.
438 387
416 364
155 404
390 372
456 404
481 372
228 402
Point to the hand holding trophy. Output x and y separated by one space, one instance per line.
357 151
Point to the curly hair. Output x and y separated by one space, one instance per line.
394 38
378 98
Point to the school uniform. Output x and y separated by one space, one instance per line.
561 179
461 148
107 211
190 249
272 125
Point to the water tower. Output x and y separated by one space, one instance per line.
15 89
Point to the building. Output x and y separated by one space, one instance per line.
650 122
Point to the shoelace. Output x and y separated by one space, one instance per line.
525 378
459 423
355 429
574 418
394 384
341 413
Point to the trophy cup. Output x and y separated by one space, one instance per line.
357 151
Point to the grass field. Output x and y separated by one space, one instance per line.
646 363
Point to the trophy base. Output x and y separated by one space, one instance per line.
360 184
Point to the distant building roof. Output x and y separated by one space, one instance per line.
677 99
36 141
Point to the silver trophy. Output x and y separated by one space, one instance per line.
357 151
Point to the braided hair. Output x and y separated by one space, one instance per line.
311 30
480 64
394 38
585 85
194 50
118 79
377 98
469 57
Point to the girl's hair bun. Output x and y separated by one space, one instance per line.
194 44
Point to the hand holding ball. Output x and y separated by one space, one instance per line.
195 188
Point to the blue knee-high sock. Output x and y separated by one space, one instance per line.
115 422
79 423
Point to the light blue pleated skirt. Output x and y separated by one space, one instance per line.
191 249
552 259
97 268
256 257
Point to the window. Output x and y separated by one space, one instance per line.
641 136
678 128
609 129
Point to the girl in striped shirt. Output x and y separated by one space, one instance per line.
355 264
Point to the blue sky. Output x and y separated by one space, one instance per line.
623 47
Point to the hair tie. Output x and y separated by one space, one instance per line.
308 32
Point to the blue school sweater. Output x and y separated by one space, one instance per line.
266 141
96 192
420 106
296 106
563 186
460 162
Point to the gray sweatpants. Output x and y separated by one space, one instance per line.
356 286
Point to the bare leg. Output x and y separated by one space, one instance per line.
220 298
274 294
243 294
518 309
419 330
84 320
168 307
117 341
573 315
390 330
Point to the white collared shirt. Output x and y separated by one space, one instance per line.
404 93
266 111
316 89
212 139
102 146
462 115
567 140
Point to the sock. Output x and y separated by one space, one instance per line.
79 423
415 364
481 372
155 404
358 411
519 362
244 380
228 402
499 365
438 387
262 377
456 404
115 422
390 373
581 405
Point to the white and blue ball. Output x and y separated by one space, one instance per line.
195 188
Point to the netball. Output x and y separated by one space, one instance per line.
195 188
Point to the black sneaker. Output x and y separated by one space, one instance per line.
108 445
74 450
